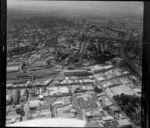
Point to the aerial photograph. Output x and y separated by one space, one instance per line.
74 61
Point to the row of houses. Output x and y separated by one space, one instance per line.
77 73
29 84
75 81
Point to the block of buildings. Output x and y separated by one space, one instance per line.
123 123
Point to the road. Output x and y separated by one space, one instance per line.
80 116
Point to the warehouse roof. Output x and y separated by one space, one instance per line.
13 68
122 89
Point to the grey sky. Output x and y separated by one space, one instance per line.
94 7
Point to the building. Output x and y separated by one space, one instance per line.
45 82
113 108
123 123
107 118
8 99
76 73
107 84
41 97
23 99
97 69
59 91
66 100
109 93
22 92
108 67
14 68
11 119
34 104
125 80
100 78
118 90
138 92
9 85
16 97
106 102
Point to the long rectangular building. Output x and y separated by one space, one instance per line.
14 68
76 73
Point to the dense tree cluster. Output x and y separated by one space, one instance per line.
131 106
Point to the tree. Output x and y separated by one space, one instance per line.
20 110
96 89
